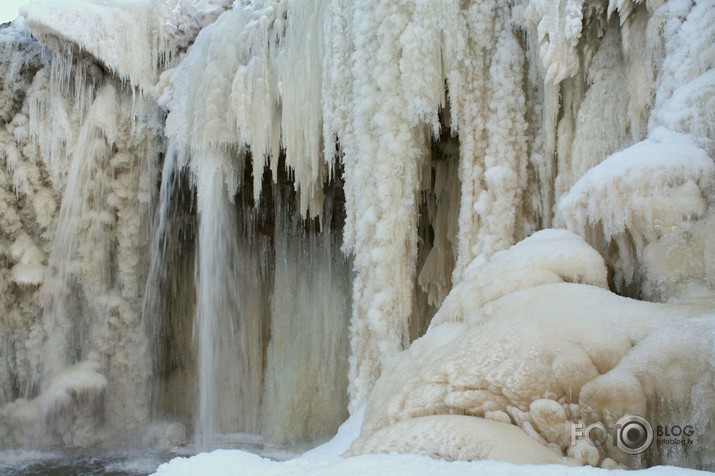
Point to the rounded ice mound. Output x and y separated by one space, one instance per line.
548 356
547 256
458 437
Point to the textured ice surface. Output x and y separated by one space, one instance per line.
544 356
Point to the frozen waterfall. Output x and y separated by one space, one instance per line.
247 220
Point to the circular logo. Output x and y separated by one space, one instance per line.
634 434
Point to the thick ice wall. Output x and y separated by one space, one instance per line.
305 397
526 111
458 437
28 204
80 168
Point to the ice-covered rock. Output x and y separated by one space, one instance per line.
551 355
458 437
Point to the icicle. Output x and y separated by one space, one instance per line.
387 143
300 85
468 43
498 204
558 24
273 82
337 86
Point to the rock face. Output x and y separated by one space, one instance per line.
21 56
221 217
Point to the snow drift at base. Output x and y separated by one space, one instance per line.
326 460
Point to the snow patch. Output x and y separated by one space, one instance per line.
548 256
98 28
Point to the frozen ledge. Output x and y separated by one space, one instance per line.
123 35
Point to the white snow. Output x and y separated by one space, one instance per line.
328 458
459 437
651 186
98 28
548 256
231 462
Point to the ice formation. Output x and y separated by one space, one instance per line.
458 437
259 216
581 354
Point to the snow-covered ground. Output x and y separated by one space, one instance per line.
234 462
326 460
